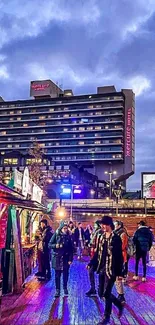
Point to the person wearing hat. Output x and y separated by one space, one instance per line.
143 242
62 256
110 265
93 247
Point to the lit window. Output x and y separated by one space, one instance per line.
12 112
42 144
65 108
3 132
90 106
97 142
90 128
98 113
106 127
2 153
12 161
114 156
17 145
65 129
98 128
19 112
51 109
81 129
11 119
41 117
81 135
25 124
18 118
66 115
81 142
9 145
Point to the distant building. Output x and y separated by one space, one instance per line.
94 131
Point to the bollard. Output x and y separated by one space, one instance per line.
1 286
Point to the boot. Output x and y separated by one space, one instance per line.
57 294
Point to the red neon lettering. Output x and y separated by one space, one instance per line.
38 87
128 133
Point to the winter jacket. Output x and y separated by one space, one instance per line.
124 238
95 236
46 235
142 239
64 254
114 258
77 234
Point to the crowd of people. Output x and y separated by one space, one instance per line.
109 247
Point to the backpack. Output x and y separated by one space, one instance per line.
131 247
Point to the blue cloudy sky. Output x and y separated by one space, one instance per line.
81 45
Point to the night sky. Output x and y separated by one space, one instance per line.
81 45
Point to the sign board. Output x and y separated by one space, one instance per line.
18 179
37 193
148 185
41 88
3 228
25 182
27 186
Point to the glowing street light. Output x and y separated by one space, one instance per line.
61 213
92 192
110 173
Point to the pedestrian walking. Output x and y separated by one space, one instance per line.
95 236
110 264
143 242
79 238
62 256
120 231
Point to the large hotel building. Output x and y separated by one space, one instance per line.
93 131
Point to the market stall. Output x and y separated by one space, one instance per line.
20 212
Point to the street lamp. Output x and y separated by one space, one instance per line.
110 180
71 189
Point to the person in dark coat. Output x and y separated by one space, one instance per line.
110 265
62 256
93 248
44 251
87 234
79 238
143 242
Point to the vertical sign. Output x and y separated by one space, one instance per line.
128 135
3 227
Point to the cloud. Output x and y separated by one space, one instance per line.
139 84
3 72
81 45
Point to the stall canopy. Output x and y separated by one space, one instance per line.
8 196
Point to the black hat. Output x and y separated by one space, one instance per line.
141 223
44 221
106 220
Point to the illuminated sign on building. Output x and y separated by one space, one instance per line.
41 88
128 149
38 87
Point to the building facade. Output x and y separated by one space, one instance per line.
94 131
